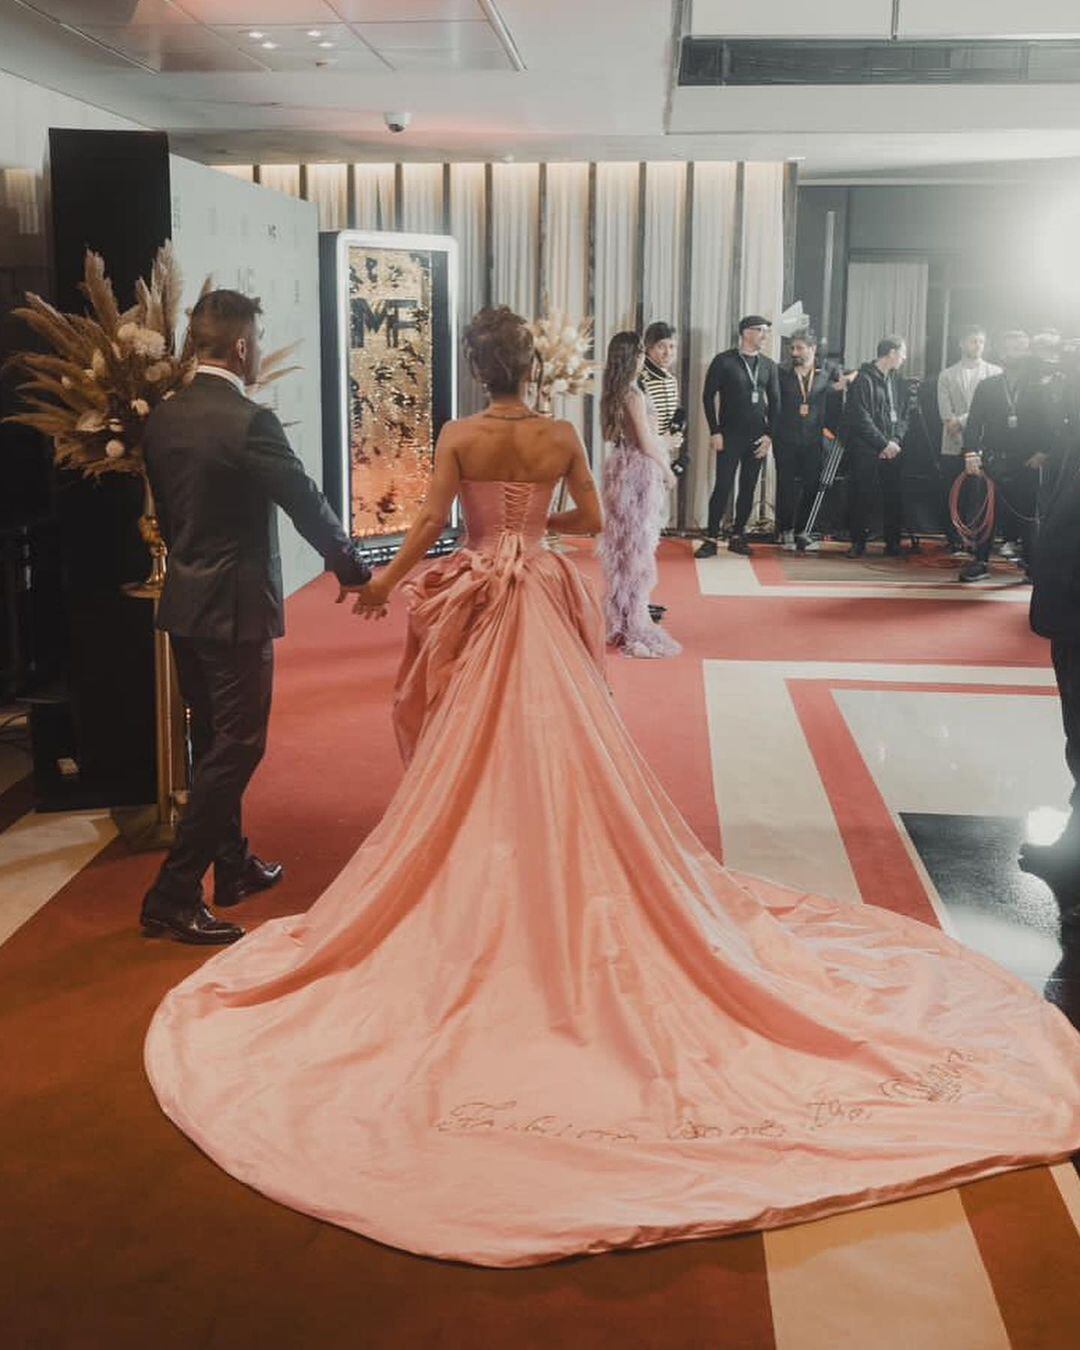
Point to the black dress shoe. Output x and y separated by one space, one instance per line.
657 612
192 923
856 551
737 544
706 549
255 875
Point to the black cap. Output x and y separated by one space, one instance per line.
754 321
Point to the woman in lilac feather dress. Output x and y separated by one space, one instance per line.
637 480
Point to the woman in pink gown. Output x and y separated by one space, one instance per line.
533 1017
637 480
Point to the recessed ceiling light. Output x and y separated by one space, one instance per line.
270 46
255 35
314 32
326 44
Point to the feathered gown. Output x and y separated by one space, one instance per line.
635 504
533 1017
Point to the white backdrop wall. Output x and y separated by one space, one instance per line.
634 273
27 111
265 244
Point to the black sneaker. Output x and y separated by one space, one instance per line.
974 571
737 544
706 549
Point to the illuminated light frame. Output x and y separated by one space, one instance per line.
381 547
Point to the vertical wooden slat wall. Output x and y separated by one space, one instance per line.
681 320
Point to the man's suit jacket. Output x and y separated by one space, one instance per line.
219 466
953 400
1055 593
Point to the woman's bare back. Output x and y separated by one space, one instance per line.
511 450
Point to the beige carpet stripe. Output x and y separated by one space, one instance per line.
1068 1183
898 1277
40 854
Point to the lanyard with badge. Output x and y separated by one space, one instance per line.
805 386
1012 421
890 395
755 391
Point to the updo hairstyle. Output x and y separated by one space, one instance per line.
499 349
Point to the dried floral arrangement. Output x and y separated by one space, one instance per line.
93 393
108 369
562 347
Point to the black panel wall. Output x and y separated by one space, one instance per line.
110 192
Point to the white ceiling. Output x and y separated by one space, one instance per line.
597 80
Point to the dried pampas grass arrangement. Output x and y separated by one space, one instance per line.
562 347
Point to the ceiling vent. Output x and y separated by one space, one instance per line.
718 61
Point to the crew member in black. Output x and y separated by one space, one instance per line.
872 430
811 401
742 400
1005 435
1055 614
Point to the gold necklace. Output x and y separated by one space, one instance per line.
509 417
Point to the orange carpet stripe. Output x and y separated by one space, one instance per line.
1031 1249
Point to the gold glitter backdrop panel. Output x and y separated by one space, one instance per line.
391 386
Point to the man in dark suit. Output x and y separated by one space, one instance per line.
1055 614
220 466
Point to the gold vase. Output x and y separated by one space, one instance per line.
146 828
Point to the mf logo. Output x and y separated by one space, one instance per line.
396 316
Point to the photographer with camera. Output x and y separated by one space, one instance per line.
660 386
875 416
811 404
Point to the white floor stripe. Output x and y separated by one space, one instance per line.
40 854
1068 1184
906 1276
735 576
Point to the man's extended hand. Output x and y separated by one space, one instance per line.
371 600
717 441
1037 460
890 451
762 447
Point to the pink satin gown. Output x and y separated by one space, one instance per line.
533 1017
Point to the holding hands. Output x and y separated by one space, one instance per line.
371 600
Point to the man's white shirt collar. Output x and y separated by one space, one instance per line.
223 374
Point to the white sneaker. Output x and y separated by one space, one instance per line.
787 541
1008 550
806 543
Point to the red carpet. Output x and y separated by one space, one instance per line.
118 1233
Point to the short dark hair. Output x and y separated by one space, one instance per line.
658 332
890 344
806 335
218 319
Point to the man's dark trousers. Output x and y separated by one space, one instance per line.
737 454
869 475
227 688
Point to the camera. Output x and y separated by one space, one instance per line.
397 121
